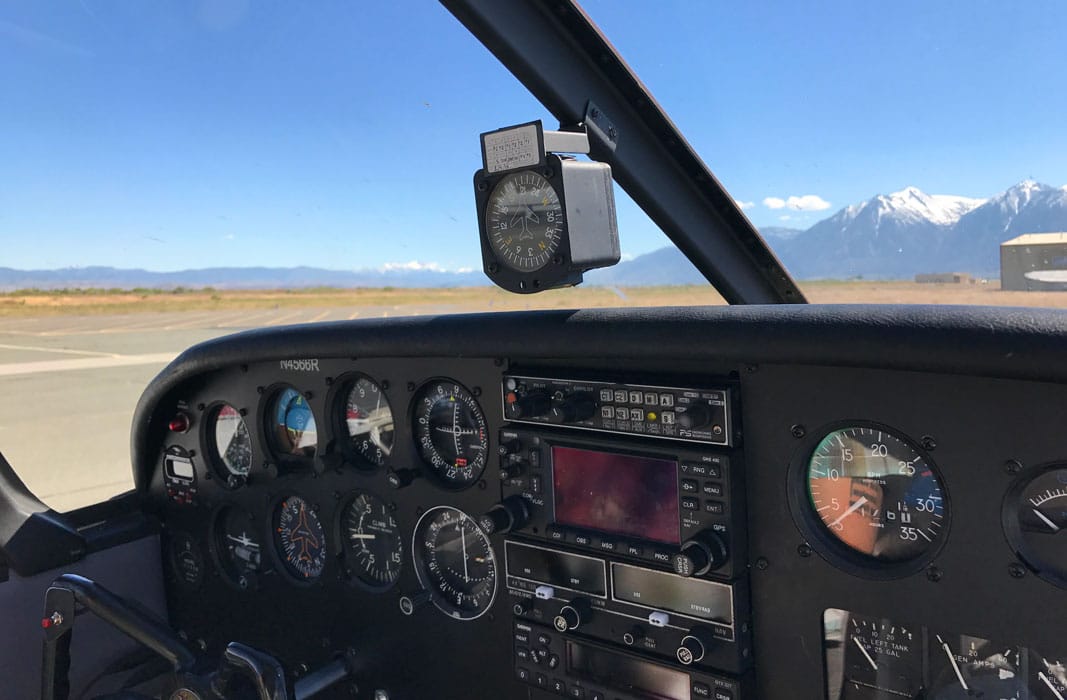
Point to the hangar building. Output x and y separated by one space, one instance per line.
1034 262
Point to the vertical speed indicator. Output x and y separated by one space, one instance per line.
875 494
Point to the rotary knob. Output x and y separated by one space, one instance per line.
531 405
694 646
573 615
705 552
510 514
572 409
695 417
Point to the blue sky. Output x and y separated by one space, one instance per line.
169 135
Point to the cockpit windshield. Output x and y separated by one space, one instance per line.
176 172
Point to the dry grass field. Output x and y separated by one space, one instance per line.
91 302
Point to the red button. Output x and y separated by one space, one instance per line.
179 423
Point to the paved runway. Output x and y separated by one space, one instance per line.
69 385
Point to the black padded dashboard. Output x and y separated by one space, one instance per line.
977 393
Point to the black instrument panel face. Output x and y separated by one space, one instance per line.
895 527
310 551
971 585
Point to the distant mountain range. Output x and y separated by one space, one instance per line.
908 232
236 278
894 236
886 237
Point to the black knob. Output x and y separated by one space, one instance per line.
411 602
531 405
573 615
509 447
510 471
634 635
705 552
510 514
695 417
399 478
572 409
694 646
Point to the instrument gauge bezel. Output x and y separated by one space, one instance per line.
834 550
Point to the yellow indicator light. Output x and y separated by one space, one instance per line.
652 415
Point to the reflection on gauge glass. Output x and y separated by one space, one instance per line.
186 560
238 546
230 442
369 421
524 219
1035 519
299 538
963 667
372 543
876 494
454 562
869 658
451 433
291 424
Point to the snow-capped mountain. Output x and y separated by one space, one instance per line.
912 205
907 232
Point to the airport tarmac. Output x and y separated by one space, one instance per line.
70 385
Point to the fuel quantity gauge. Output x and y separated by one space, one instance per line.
1035 518
1048 678
871 658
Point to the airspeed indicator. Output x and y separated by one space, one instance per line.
876 494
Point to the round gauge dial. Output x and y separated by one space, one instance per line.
451 433
291 424
1048 677
186 560
368 421
524 221
881 659
299 538
454 561
963 667
373 547
876 494
1035 519
230 442
237 547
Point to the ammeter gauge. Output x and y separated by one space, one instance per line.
963 667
